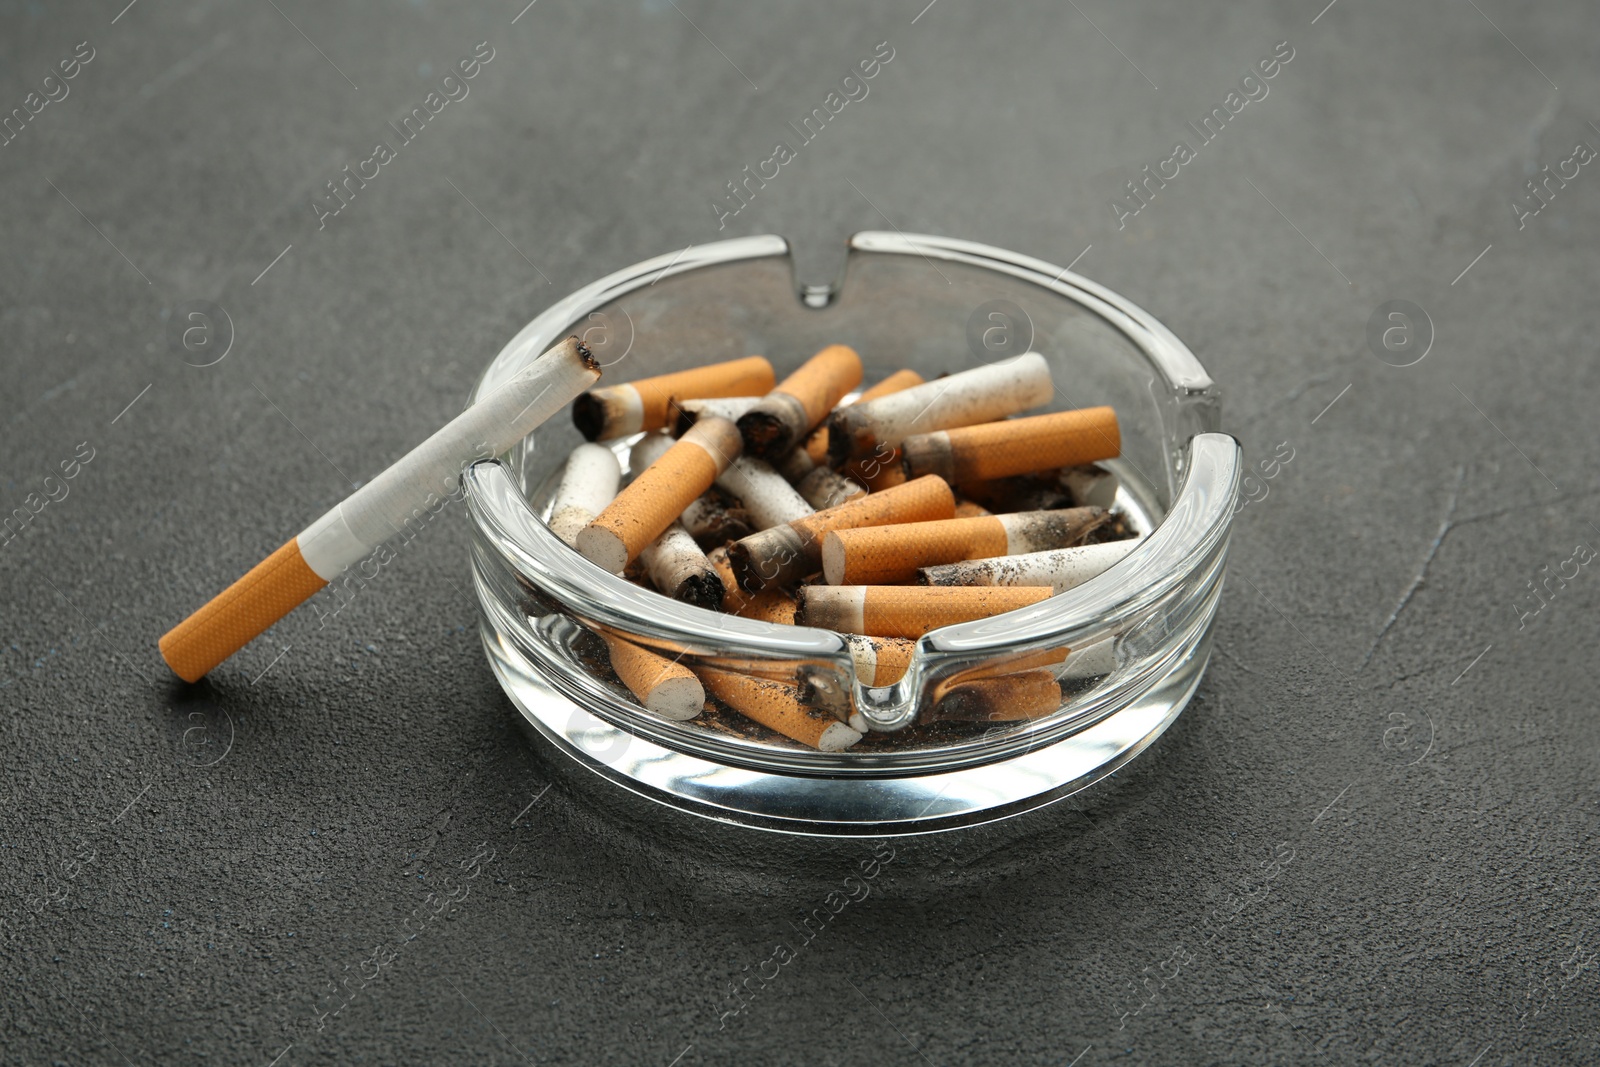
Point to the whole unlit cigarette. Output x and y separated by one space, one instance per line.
1014 446
880 661
800 402
1090 486
785 554
1060 569
587 485
777 707
879 555
377 511
905 611
658 495
813 451
769 605
685 413
826 488
679 569
1019 697
663 686
646 450
620 410
715 519
982 394
768 499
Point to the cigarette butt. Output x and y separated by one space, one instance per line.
1090 486
768 499
1006 663
777 707
880 661
646 450
1014 446
821 687
1091 661
785 554
587 485
880 555
982 394
770 605
1019 697
826 488
876 473
663 686
905 611
966 509
678 568
714 518
1060 569
658 495
685 413
377 511
800 402
813 451
621 410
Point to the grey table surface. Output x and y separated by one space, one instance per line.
1369 839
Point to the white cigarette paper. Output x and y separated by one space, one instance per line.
983 394
1091 661
646 450
768 499
826 488
379 509
688 412
680 570
1060 568
589 483
1090 486
709 519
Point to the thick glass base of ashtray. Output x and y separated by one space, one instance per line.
834 807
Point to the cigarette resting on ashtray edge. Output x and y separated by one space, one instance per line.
920 505
377 511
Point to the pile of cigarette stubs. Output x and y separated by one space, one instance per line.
918 505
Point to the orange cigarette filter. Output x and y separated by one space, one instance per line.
883 555
799 402
813 451
1014 446
663 686
1020 697
769 605
906 611
619 410
650 503
1004 665
966 509
880 661
878 474
777 706
785 554
922 500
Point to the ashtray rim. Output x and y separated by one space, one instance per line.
1169 556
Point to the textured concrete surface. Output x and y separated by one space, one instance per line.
1371 837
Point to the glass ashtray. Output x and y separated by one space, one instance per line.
1136 639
